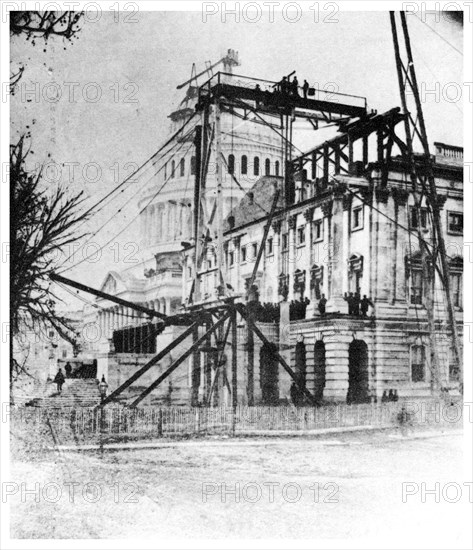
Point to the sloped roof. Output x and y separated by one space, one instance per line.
257 202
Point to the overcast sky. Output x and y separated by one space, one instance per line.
144 60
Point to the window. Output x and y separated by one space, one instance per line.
453 368
192 166
417 287
285 241
318 230
456 287
173 169
276 168
455 223
254 248
301 235
418 363
357 218
270 246
267 167
64 353
182 165
51 334
414 222
189 272
231 164
243 253
256 166
231 258
244 164
166 171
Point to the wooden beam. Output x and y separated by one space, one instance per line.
180 360
149 364
151 312
275 353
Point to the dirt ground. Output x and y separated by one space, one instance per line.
339 486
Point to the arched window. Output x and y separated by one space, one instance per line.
231 164
182 167
173 169
256 166
267 167
192 166
276 168
244 164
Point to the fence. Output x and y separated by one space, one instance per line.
112 423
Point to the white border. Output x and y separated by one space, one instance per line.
391 539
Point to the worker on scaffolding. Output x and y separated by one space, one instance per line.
305 89
283 85
295 87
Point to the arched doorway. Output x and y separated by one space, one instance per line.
319 370
358 390
269 378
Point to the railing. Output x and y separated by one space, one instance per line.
87 424
271 86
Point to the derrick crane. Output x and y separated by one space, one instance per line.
434 259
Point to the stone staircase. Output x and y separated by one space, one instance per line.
81 392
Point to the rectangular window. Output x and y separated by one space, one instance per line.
243 253
301 235
318 230
456 285
254 249
270 246
357 218
416 289
64 353
414 222
231 258
455 223
285 241
418 363
453 369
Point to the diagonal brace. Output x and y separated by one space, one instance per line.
276 354
180 360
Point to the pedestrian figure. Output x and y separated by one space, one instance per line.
385 397
322 304
305 88
68 369
59 380
295 87
391 395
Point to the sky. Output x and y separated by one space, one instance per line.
100 105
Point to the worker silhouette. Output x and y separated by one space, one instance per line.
322 304
364 305
350 299
305 89
295 87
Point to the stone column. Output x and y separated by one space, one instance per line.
399 250
336 367
292 254
336 303
382 253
